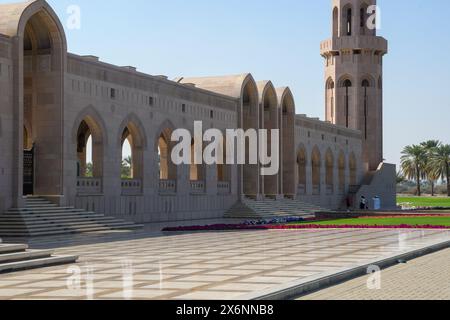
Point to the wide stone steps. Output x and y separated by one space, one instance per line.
66 226
269 208
40 217
14 257
44 210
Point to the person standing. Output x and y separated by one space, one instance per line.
363 203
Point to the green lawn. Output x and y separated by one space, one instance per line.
395 221
425 201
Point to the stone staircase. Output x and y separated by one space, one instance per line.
41 217
271 208
16 257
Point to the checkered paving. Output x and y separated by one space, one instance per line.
208 265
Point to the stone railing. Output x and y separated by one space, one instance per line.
197 187
330 190
167 186
89 185
301 189
223 187
316 190
131 187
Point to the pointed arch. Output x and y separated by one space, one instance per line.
330 100
345 81
345 85
95 120
366 83
367 80
347 24
133 123
132 131
336 22
89 126
268 119
39 37
287 157
363 20
167 170
249 120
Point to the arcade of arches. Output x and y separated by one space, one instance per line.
89 134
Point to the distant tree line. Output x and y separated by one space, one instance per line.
426 163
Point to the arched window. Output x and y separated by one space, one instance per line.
132 145
84 151
167 170
365 84
362 20
288 182
270 122
335 22
89 149
349 24
127 156
347 85
250 106
315 165
163 158
330 100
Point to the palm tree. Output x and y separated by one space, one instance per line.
89 170
430 147
413 163
400 177
127 168
441 164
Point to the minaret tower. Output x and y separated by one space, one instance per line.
354 74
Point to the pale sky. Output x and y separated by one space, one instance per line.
278 40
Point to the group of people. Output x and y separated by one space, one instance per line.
364 203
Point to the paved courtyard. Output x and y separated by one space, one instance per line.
216 265
424 278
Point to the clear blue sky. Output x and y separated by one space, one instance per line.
278 40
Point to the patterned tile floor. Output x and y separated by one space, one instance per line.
216 265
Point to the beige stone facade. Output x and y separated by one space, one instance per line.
55 100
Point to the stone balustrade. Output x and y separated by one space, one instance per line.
131 187
197 187
223 187
89 185
167 186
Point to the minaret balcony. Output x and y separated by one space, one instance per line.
329 46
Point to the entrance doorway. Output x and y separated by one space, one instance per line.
43 82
